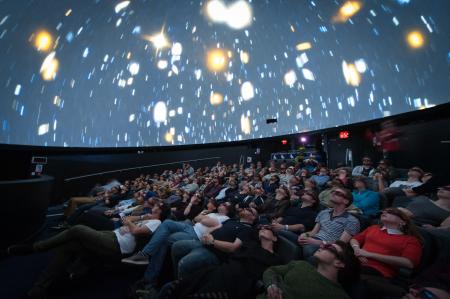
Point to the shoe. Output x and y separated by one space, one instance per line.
138 259
20 249
62 225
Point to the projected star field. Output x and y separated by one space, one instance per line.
98 73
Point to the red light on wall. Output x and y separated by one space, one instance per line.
284 142
344 134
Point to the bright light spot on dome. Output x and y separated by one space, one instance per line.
177 49
159 40
361 65
162 64
347 10
43 41
245 124
216 60
290 78
245 58
121 5
351 74
247 91
160 112
237 15
303 46
216 11
133 68
308 75
49 67
168 137
415 39
43 129
215 98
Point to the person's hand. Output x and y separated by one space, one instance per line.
303 240
126 220
377 176
362 253
276 226
109 212
409 192
207 239
274 292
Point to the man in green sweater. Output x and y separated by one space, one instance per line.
337 267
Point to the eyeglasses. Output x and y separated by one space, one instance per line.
333 249
339 193
395 213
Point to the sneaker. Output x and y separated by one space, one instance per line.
60 226
138 259
20 249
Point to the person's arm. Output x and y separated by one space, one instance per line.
378 177
136 230
187 210
345 237
295 227
396 261
224 246
314 231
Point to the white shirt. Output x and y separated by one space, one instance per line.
126 239
405 184
201 229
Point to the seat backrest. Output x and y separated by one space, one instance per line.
287 250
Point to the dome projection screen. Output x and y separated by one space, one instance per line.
102 73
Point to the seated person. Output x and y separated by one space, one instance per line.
366 169
384 249
275 207
426 211
188 208
297 219
82 241
398 188
214 248
235 278
171 231
286 174
415 175
366 200
337 266
322 178
331 224
272 184
433 283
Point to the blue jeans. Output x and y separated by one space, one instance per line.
189 256
167 233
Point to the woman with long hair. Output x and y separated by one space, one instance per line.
383 249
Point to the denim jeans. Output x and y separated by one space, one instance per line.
189 256
167 233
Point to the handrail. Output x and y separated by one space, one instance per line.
138 167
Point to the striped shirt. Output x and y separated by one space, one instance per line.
331 228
